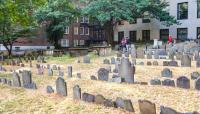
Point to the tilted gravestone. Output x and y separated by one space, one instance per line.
166 73
86 59
197 84
109 103
49 89
88 97
195 75
155 82
106 61
76 92
124 104
50 72
185 61
168 82
99 99
112 60
147 107
183 82
61 86
16 80
69 71
103 74
126 70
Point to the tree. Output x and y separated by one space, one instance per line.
56 15
110 12
16 21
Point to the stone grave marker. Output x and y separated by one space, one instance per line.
99 99
149 63
69 71
103 74
166 110
61 86
79 75
86 59
197 84
93 77
60 73
124 104
49 89
166 73
155 63
16 80
27 80
88 97
76 92
168 82
147 107
109 103
50 72
173 63
155 82
195 75
185 61
112 60
183 82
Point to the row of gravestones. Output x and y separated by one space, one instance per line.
181 82
16 80
146 107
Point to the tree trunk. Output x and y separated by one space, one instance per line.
9 49
56 45
109 33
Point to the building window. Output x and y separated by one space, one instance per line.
64 43
164 34
67 30
146 35
75 43
198 32
146 20
82 42
86 19
133 21
82 20
75 30
198 8
81 30
133 36
182 33
121 23
86 31
182 10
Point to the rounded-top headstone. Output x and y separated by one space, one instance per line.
61 86
76 92
103 74
185 61
166 73
183 82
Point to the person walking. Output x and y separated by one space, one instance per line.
123 43
170 40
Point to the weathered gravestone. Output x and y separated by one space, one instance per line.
196 55
183 82
179 55
60 73
126 70
173 63
93 77
168 82
103 74
109 103
86 59
27 80
166 110
78 75
61 86
198 63
147 107
76 92
106 61
124 104
49 89
88 97
185 61
116 79
166 73
197 84
155 82
165 63
69 71
195 75
149 63
16 80
119 54
99 99
112 60
50 72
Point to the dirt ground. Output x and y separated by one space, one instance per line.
24 101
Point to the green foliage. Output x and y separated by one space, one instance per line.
56 15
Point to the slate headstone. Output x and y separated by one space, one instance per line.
155 82
16 80
112 60
103 74
76 92
195 75
168 82
93 77
173 63
147 107
106 61
69 71
183 82
197 84
61 86
125 104
88 97
166 73
49 89
185 61
109 103
99 99
50 72
86 59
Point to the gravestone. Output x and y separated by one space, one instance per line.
48 66
124 104
166 110
133 55
147 107
103 74
119 54
99 99
196 55
112 60
165 63
69 71
198 63
86 59
126 70
156 54
16 80
197 84
166 73
168 82
4 80
49 89
116 79
109 103
155 82
88 97
76 92
50 72
149 63
183 82
155 63
40 71
195 75
109 68
93 77
27 79
106 61
54 67
61 86
185 61
78 75
60 73
173 63
9 82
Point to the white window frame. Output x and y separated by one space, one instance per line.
88 32
67 30
76 30
82 30
64 43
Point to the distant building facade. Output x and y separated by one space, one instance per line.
187 12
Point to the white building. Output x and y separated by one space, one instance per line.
187 12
